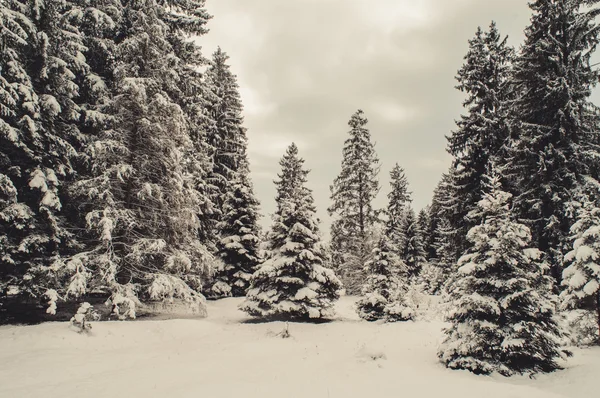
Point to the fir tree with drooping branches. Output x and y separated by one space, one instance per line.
294 282
142 224
553 147
482 132
39 142
352 194
225 135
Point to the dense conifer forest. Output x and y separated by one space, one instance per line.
125 182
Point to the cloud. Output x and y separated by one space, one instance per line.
306 65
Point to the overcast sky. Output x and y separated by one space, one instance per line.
305 66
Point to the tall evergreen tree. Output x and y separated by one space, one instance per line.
552 146
383 294
294 282
143 224
239 247
193 94
398 200
39 137
482 132
352 194
226 135
503 318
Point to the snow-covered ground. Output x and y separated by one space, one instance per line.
224 356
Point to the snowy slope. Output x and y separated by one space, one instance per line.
222 356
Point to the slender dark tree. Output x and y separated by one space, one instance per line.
352 194
226 135
411 250
398 202
143 225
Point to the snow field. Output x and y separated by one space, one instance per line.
224 355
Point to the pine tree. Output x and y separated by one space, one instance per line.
239 247
352 194
482 132
192 93
553 145
142 222
39 137
398 200
503 317
225 135
294 281
19 154
582 276
411 251
386 285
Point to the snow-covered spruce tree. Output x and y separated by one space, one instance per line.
143 223
502 316
192 92
226 135
553 142
239 247
411 249
398 200
19 105
293 283
385 287
39 134
482 132
352 194
581 277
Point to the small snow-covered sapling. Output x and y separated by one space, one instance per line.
81 320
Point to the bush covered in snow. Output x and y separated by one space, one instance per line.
81 320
